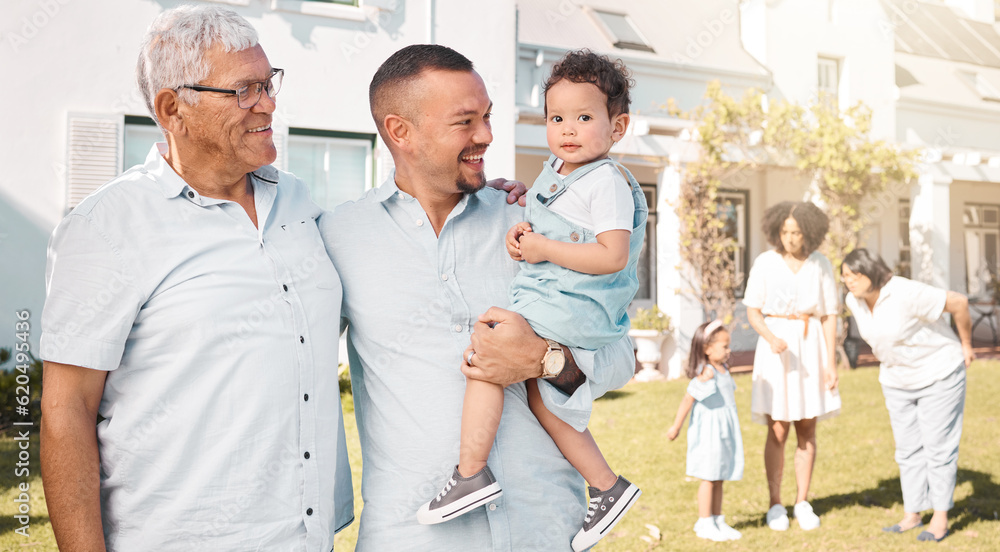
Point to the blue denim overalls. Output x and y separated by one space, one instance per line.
575 309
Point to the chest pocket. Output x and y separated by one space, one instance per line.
304 260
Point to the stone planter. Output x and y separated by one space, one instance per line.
648 344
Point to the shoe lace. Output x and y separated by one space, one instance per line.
592 508
447 487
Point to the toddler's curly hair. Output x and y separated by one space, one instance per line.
611 77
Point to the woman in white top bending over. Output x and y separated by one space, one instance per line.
922 373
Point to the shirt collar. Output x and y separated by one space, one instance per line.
886 291
171 183
389 189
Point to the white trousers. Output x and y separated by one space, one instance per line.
927 426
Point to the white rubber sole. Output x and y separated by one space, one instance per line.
467 503
584 540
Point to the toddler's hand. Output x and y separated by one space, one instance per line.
778 346
673 432
532 247
514 238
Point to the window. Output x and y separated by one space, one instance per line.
337 9
337 166
828 78
982 246
646 267
622 32
903 268
732 207
140 135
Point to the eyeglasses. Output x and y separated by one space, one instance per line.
249 95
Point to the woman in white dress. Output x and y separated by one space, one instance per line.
791 301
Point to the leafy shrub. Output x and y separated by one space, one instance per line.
18 381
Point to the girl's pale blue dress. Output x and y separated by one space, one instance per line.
715 445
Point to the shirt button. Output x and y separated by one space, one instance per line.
305 397
284 287
444 277
553 188
302 339
191 194
458 327
420 223
493 506
306 455
309 511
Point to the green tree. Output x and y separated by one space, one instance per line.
849 172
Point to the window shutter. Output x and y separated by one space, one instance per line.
94 153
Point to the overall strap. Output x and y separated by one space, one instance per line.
555 184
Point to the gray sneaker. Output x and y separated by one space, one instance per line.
459 496
604 512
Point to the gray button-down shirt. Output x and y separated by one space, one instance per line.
220 342
410 299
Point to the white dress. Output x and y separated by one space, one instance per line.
790 386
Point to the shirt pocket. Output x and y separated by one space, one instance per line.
305 262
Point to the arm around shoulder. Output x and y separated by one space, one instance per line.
70 460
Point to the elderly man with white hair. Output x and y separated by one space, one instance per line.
190 330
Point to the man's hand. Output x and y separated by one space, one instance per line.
514 238
507 349
517 190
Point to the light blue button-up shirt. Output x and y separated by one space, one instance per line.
223 427
410 299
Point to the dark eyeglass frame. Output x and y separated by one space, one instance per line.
264 85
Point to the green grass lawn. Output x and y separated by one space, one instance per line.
855 487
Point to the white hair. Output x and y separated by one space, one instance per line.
173 50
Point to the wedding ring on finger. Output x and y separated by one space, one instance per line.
468 359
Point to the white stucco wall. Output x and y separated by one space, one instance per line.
789 37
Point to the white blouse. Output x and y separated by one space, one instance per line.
775 289
908 333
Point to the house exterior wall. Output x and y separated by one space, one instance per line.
789 37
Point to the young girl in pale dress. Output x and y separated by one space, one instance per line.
715 446
791 301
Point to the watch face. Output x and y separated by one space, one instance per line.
554 364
